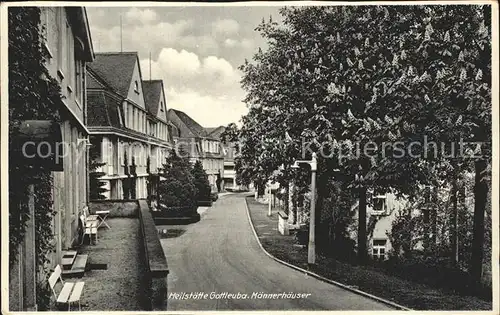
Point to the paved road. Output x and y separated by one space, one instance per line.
220 254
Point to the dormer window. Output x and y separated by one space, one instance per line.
136 87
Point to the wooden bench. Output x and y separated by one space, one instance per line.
78 267
89 217
89 228
71 292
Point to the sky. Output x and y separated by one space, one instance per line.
196 51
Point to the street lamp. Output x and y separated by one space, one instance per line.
311 248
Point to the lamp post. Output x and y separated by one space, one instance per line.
269 211
311 248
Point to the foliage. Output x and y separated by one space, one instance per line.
178 188
201 183
230 134
324 83
33 94
126 182
43 295
96 186
133 179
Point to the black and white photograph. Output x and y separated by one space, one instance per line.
250 156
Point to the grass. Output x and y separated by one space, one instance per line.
118 288
404 292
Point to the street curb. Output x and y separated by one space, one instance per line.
315 275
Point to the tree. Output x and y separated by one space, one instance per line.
327 77
126 182
178 188
201 182
230 134
96 185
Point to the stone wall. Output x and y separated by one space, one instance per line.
155 280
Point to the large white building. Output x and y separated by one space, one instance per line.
127 123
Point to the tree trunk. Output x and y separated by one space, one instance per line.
454 223
362 254
480 195
434 216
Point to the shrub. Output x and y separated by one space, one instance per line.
201 183
178 190
96 185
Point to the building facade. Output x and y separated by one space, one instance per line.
126 135
67 41
199 145
69 46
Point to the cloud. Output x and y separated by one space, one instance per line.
203 44
161 34
207 110
205 88
225 26
179 63
145 16
234 43
181 68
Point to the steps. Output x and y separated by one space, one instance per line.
67 259
74 265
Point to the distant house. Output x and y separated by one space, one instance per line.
379 217
126 123
198 145
68 45
384 209
230 152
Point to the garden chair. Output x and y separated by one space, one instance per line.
70 293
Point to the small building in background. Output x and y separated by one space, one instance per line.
198 145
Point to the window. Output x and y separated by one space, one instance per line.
379 204
136 87
120 117
60 37
161 106
378 249
78 79
68 56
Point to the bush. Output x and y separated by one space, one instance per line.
201 183
96 186
302 235
178 190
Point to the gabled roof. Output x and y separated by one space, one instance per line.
215 132
152 93
187 126
103 109
94 81
116 69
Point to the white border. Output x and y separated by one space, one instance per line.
495 197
